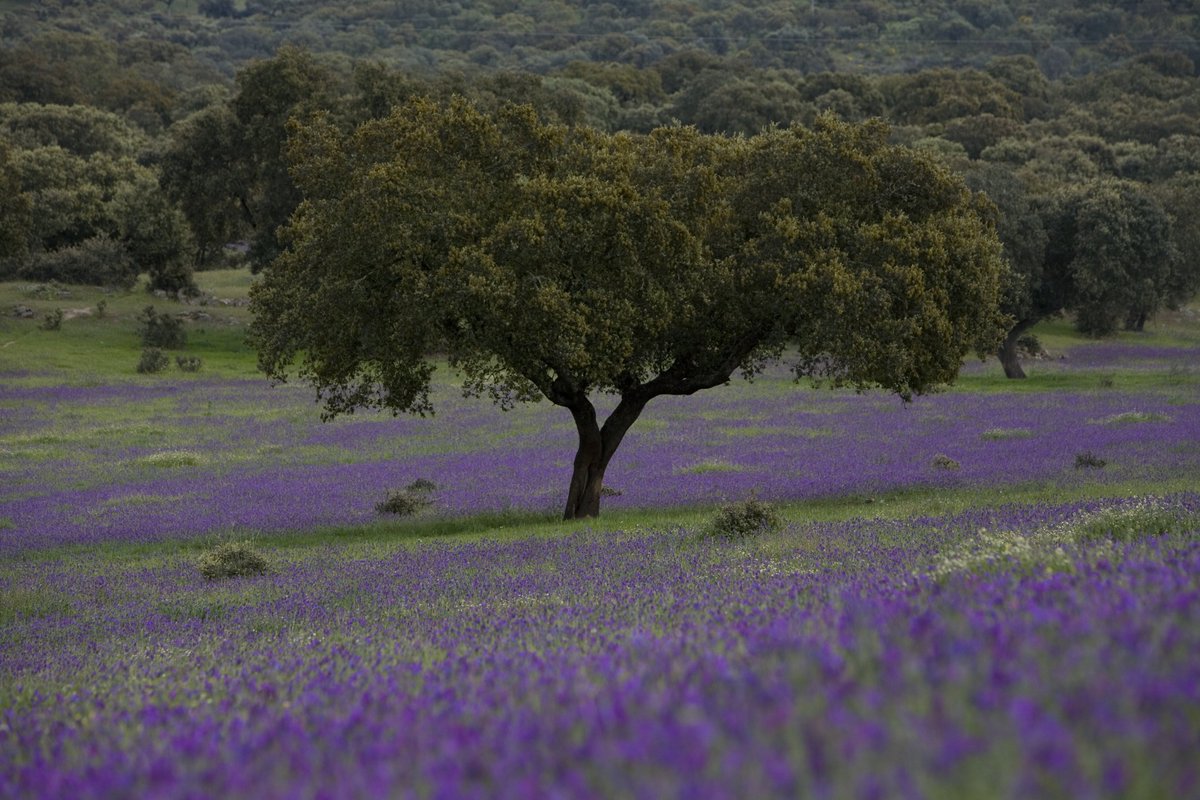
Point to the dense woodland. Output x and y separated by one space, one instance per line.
150 137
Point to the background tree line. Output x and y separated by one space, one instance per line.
148 136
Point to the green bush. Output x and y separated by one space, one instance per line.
188 363
232 560
745 518
160 330
944 462
99 261
153 360
421 486
52 321
403 504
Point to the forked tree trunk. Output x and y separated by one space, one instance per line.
1009 358
596 448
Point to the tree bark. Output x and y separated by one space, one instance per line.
596 448
598 444
1008 350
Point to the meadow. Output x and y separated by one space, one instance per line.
992 591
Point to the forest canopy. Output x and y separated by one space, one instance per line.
1029 101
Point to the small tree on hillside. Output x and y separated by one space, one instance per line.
559 263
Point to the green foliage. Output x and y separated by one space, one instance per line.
160 330
559 262
939 95
1006 433
1112 242
403 503
745 518
1133 417
412 499
52 321
15 208
1031 346
97 261
153 360
232 560
1148 516
96 215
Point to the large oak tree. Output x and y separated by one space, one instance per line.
558 263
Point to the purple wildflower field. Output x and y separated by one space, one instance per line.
1010 651
835 660
144 463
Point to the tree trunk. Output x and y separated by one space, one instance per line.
1009 359
1008 350
596 448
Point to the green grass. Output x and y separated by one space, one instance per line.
89 346
90 350
708 465
1133 417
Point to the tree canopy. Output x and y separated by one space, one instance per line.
553 262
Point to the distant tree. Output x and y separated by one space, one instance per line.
78 129
1023 75
205 171
30 76
559 263
1030 292
15 208
269 93
976 133
97 205
1113 239
939 95
1180 196
720 102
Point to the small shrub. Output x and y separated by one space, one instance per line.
52 321
188 363
944 462
1006 433
1089 460
403 504
421 486
232 560
1030 346
153 360
51 290
160 330
745 518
